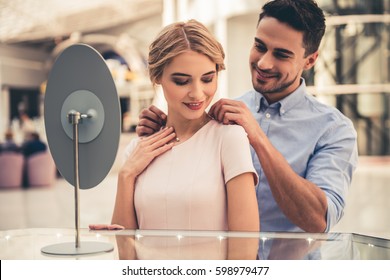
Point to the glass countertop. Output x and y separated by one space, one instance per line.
27 244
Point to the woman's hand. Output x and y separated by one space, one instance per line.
147 150
106 227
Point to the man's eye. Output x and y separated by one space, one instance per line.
281 55
260 48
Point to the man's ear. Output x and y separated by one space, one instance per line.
311 60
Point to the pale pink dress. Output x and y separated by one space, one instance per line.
185 187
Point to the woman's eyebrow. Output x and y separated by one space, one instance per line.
187 75
180 74
209 73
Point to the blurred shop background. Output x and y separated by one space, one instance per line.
352 74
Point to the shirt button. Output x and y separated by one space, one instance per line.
268 115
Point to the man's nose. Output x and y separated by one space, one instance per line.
266 61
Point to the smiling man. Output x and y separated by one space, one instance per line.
304 151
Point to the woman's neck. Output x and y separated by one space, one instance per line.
185 129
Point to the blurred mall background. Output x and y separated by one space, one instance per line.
352 74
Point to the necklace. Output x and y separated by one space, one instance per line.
206 120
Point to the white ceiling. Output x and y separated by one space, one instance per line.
37 20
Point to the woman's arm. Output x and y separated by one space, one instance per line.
126 247
243 248
124 211
243 213
144 153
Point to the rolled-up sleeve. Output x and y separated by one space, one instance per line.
331 168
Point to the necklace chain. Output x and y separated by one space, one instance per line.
208 118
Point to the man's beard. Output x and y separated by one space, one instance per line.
279 87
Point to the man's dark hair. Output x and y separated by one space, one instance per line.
302 15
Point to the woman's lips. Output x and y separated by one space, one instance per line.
194 105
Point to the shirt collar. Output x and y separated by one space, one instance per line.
286 103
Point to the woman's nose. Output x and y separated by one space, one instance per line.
196 91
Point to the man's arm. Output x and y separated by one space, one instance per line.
303 202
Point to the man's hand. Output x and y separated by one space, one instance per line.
229 111
150 121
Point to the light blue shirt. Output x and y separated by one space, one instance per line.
318 142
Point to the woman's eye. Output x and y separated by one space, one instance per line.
208 79
180 82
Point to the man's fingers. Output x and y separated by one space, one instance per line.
212 110
153 114
215 110
143 130
147 127
218 110
224 106
158 112
146 114
151 124
151 120
230 118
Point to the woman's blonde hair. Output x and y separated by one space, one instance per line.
178 38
